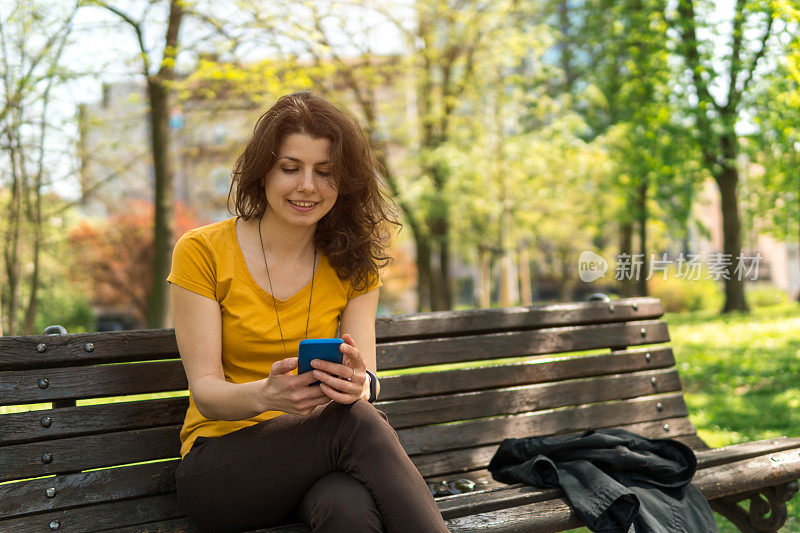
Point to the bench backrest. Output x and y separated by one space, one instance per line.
507 376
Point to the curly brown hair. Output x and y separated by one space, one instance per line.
354 234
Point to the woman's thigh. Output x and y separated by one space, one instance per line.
255 476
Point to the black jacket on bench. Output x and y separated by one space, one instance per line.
616 480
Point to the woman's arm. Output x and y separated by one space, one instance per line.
358 319
198 331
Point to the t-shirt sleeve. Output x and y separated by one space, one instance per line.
193 265
374 283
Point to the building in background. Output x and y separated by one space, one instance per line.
116 162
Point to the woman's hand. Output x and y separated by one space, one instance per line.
290 393
334 377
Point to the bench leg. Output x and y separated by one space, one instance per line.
756 520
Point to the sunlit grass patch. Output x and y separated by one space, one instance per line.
741 375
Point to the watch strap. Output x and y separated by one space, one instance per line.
373 386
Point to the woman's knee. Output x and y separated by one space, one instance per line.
363 418
339 502
364 413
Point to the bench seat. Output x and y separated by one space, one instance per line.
73 465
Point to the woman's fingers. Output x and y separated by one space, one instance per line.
343 371
340 383
335 395
351 360
341 390
343 383
351 351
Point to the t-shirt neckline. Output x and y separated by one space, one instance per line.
252 281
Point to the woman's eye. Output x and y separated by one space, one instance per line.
288 170
323 173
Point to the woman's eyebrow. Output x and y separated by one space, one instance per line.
299 161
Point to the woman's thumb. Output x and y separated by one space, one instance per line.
284 365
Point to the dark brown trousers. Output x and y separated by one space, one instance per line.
339 469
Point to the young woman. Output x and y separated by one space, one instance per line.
260 444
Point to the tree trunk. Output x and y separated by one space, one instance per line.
732 246
423 272
485 287
435 280
642 211
525 276
626 247
446 290
565 46
566 282
164 199
30 312
15 220
438 224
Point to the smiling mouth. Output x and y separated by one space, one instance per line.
310 204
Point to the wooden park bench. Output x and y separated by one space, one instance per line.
74 467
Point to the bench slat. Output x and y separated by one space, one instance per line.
390 355
407 354
21 387
131 345
472 321
705 459
521 399
539 370
458 462
549 422
749 474
71 349
19 428
185 526
96 451
75 490
114 516
549 516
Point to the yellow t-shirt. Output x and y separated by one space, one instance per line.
208 260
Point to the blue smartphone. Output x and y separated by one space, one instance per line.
327 349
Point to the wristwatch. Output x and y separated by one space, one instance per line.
373 386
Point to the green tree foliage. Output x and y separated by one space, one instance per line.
60 298
775 209
716 86
612 62
33 38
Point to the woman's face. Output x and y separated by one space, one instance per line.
301 174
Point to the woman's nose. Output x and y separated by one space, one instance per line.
306 182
